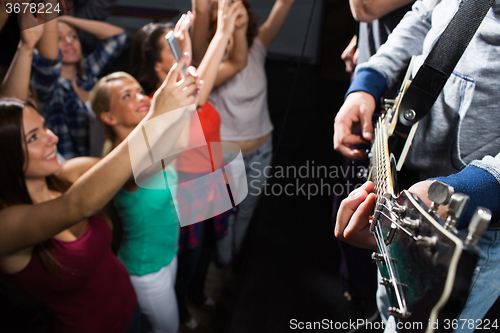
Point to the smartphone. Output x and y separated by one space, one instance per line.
176 50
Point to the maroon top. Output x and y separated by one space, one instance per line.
95 293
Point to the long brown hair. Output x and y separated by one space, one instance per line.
80 65
13 190
145 52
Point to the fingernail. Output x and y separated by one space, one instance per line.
356 193
185 55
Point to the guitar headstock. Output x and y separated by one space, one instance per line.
418 256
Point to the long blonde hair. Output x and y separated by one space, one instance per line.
100 99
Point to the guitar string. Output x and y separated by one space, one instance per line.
381 186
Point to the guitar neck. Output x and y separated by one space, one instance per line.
381 173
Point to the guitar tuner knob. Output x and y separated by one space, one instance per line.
386 282
440 194
457 205
391 234
378 257
427 242
389 104
399 210
397 313
478 225
411 224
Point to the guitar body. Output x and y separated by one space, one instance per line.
425 268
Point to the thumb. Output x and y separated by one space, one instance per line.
366 126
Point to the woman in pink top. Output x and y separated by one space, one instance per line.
54 244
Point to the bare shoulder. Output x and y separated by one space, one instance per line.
16 262
74 168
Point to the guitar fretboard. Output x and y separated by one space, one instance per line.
380 161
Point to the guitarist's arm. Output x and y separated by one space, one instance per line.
480 180
369 10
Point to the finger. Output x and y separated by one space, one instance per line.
346 210
352 153
189 90
178 27
366 125
239 11
358 230
192 72
353 139
199 87
188 21
223 6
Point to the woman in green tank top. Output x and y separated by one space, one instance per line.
150 223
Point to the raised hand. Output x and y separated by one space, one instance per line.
350 55
181 32
231 17
173 93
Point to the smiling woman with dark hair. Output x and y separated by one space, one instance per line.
54 244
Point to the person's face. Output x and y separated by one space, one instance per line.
69 44
41 146
128 103
166 59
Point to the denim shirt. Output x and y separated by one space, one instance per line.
463 123
65 113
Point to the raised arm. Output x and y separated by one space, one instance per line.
48 44
24 226
100 30
17 80
272 26
211 66
369 10
199 30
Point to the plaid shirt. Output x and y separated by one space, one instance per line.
192 203
65 113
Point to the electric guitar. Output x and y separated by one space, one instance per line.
425 267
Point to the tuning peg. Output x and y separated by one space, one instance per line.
439 193
478 225
388 104
456 206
